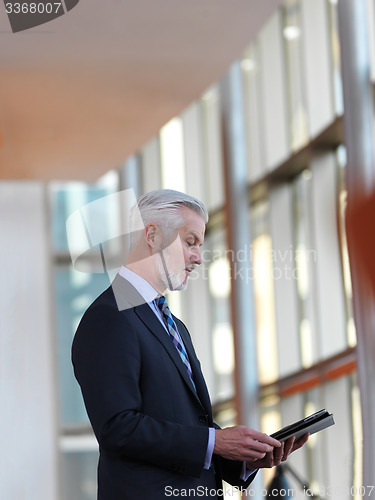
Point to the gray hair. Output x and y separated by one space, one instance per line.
162 207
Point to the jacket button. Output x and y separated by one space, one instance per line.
203 419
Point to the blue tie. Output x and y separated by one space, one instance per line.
162 304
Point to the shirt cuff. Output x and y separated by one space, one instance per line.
210 447
246 473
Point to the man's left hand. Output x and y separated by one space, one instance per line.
278 455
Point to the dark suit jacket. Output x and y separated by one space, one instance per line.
151 425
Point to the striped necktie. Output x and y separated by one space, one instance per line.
162 304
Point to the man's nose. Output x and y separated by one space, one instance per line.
197 257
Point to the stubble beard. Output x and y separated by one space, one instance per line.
171 281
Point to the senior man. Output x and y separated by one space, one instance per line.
141 380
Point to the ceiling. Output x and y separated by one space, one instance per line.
83 92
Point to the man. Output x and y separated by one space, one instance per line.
141 380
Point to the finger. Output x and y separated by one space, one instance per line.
288 447
265 463
264 438
270 461
257 446
301 441
255 450
292 445
254 456
279 453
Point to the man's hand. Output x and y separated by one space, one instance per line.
241 443
278 455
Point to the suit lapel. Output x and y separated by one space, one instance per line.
128 297
147 316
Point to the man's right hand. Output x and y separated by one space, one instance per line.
241 443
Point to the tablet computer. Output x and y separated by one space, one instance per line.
311 424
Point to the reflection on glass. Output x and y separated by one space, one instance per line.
250 66
223 349
302 269
221 329
342 202
219 278
292 34
264 296
172 155
336 57
69 197
264 311
307 346
212 148
305 260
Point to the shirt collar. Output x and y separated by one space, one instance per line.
142 286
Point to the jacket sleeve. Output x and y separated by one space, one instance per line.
107 363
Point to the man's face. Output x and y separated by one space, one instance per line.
179 259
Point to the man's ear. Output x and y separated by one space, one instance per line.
153 236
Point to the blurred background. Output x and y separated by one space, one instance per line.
242 104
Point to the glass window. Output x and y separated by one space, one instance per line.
212 149
292 33
221 326
67 198
192 125
330 296
76 288
151 169
305 261
264 295
96 224
336 57
351 330
339 438
274 124
172 155
317 65
74 292
281 225
250 65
